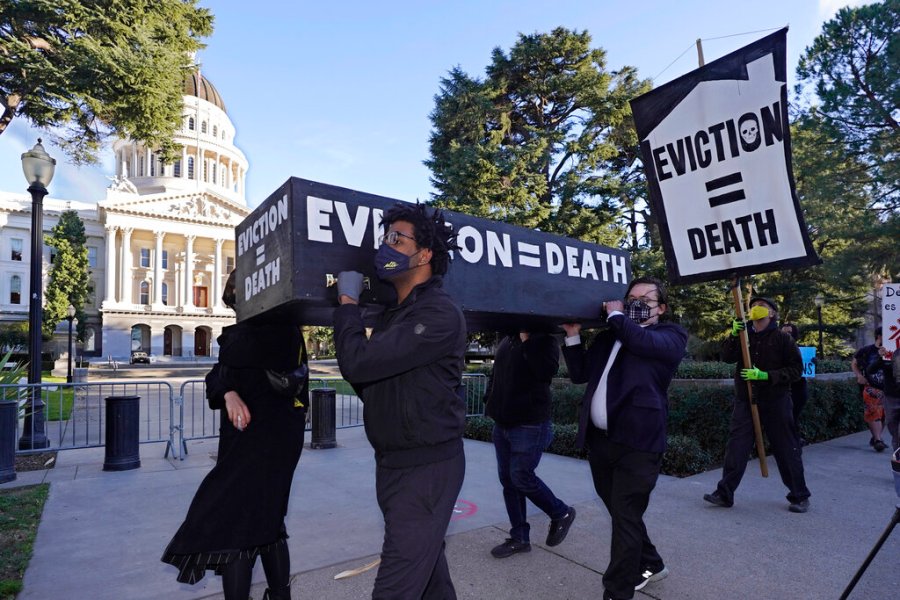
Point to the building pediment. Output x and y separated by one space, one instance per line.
196 208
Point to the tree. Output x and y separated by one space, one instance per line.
69 276
542 141
854 68
88 70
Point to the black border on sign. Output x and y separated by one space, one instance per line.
652 108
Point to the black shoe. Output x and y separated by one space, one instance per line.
872 441
510 547
717 499
801 506
879 446
559 528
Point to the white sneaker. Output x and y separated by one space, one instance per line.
649 576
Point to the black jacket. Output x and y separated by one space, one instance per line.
637 389
408 374
771 350
519 389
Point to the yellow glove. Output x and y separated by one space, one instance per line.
758 312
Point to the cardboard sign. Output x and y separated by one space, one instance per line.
890 318
504 277
808 354
716 150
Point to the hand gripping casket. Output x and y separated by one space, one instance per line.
291 248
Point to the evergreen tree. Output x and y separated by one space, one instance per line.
69 275
854 68
543 141
86 70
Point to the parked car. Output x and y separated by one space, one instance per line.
138 356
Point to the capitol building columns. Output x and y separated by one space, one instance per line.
160 244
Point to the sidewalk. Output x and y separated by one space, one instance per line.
102 533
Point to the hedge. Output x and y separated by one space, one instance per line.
699 414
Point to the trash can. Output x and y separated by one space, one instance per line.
122 425
8 418
323 413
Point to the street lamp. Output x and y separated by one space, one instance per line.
820 302
70 316
38 167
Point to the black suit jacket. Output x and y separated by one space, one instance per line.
636 396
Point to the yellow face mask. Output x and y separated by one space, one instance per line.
758 312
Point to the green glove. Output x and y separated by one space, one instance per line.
736 327
754 374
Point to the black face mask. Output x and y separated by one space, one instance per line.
637 310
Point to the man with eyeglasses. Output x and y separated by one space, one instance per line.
622 423
408 374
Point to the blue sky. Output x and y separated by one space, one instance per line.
340 92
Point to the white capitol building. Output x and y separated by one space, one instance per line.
160 245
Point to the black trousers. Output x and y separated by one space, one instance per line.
417 503
777 420
624 478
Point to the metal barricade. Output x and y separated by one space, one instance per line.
74 412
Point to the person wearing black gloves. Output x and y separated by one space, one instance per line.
408 374
238 512
518 399
776 364
628 369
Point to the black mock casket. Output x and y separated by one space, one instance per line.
291 248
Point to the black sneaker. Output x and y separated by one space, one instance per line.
879 446
559 528
649 576
510 547
801 506
717 499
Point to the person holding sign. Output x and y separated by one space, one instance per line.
408 373
776 365
623 421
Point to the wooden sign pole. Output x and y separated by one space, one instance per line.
745 351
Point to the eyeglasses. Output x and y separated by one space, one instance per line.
392 238
648 301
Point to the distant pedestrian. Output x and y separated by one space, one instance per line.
776 363
799 389
871 386
622 422
890 401
518 399
238 512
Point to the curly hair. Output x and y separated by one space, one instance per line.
431 231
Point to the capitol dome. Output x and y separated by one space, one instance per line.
210 161
197 85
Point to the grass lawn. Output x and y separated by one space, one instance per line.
20 513
58 404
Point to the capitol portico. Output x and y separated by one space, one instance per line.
160 245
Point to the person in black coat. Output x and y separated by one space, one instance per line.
518 399
238 511
408 374
776 364
799 389
628 369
